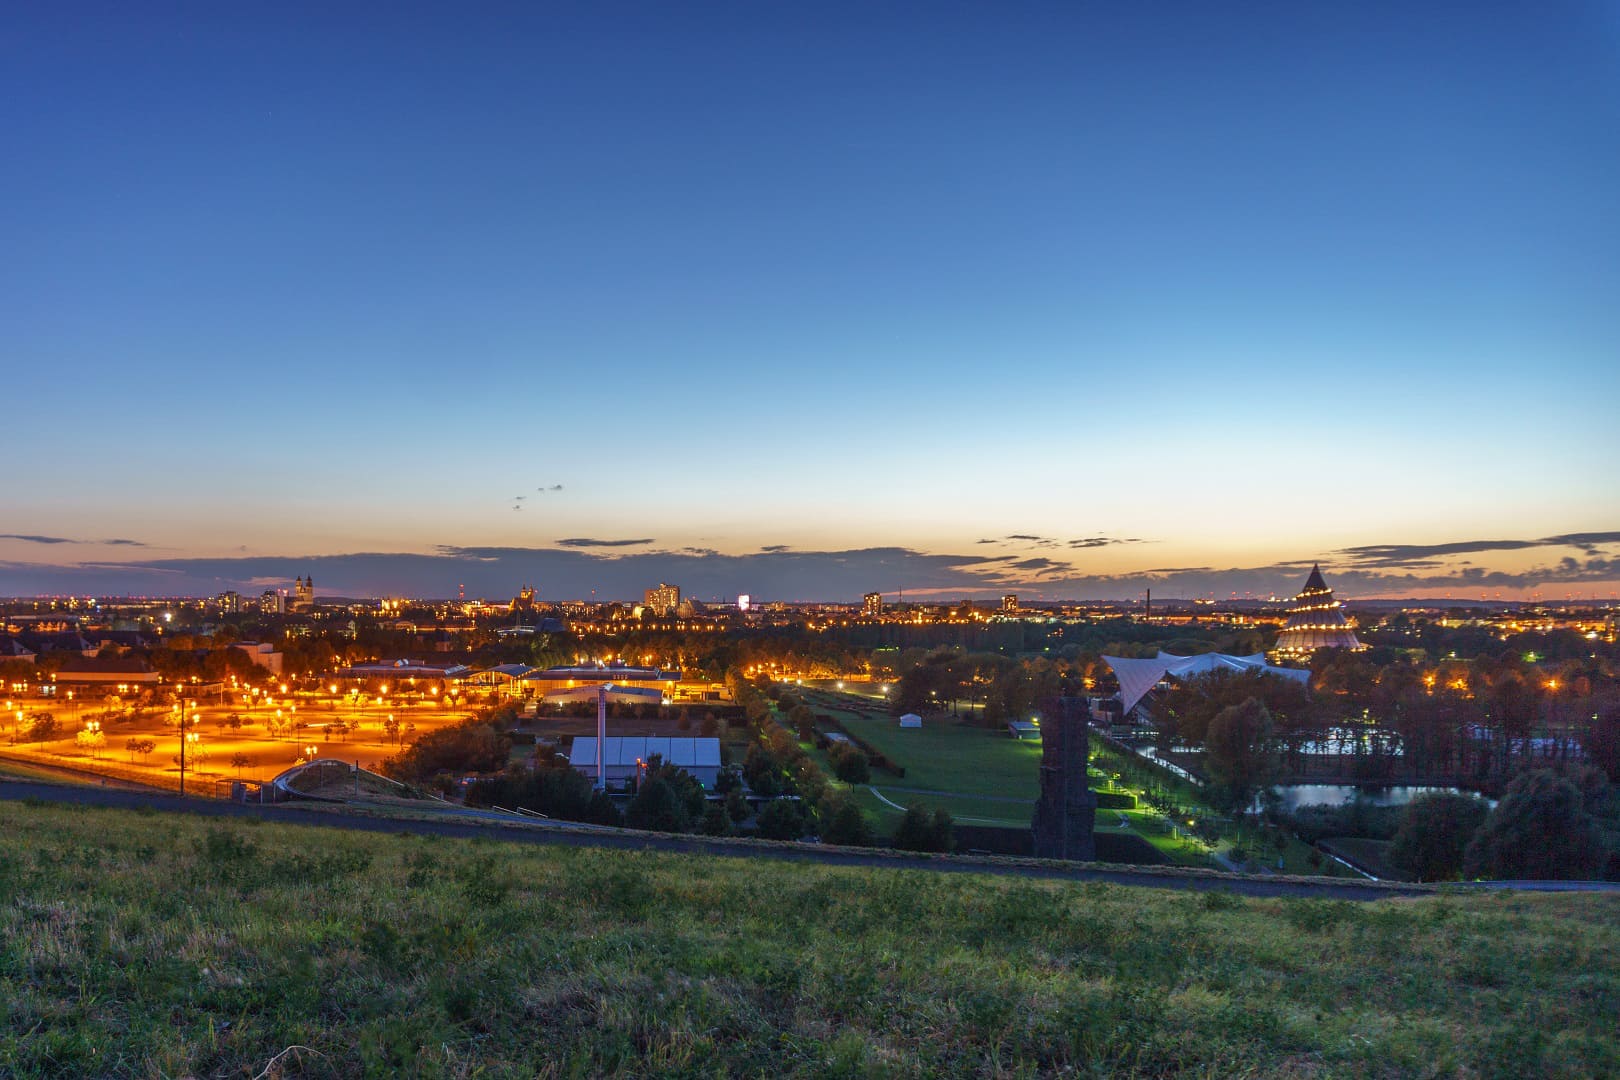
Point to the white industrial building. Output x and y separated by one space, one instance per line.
624 756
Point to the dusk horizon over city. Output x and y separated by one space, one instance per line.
758 539
1565 567
1072 302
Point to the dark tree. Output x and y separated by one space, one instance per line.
1541 830
846 825
763 772
781 820
658 808
1239 753
1434 834
851 766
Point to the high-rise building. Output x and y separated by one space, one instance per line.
872 605
664 600
229 601
1316 621
1009 603
273 602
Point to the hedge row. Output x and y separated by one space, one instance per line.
1113 847
874 756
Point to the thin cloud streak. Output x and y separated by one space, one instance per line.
587 542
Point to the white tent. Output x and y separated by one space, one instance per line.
911 719
1137 677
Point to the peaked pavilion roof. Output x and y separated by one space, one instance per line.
1316 621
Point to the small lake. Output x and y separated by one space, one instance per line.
1296 795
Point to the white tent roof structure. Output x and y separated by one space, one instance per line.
1137 677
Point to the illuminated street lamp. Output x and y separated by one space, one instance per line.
91 738
187 738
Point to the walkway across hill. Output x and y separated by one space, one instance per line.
637 841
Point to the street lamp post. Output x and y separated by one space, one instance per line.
185 737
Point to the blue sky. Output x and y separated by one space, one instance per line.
278 284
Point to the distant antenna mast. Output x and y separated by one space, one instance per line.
1147 610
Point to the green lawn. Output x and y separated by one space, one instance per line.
945 756
963 808
153 945
970 763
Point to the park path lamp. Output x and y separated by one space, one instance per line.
187 738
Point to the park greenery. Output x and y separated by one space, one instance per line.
1449 703
157 945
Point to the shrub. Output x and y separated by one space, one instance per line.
1115 800
658 808
1434 833
716 822
471 746
921 831
1355 817
782 819
555 790
843 822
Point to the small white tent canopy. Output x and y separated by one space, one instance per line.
1137 677
911 719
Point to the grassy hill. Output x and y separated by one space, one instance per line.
149 944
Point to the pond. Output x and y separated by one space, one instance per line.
1296 795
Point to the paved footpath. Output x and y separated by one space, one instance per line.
637 841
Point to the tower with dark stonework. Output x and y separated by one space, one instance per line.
1066 812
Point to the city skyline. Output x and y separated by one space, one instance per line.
627 572
809 304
